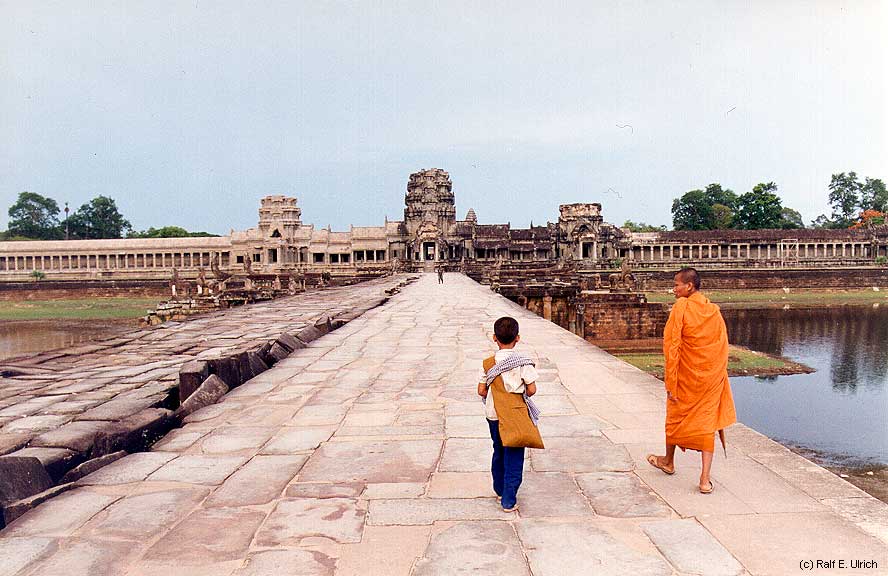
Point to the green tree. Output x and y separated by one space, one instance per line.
99 218
692 211
715 194
874 195
844 198
790 219
34 216
759 209
167 232
642 227
722 217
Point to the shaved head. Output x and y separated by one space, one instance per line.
689 275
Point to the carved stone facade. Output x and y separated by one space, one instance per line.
579 242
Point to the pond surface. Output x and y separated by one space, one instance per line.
839 412
20 337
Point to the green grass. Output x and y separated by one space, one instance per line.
740 361
758 298
78 309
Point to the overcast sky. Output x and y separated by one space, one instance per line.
188 112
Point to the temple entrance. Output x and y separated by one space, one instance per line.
428 251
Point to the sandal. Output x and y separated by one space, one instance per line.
705 490
654 461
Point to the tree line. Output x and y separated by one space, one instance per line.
36 217
854 204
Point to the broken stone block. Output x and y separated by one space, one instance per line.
226 369
257 365
278 352
191 376
264 353
134 433
13 441
56 461
244 370
91 466
290 342
21 477
77 436
310 334
212 389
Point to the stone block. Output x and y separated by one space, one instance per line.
291 521
290 342
21 477
691 548
10 442
257 365
77 436
134 433
226 369
446 552
191 376
310 334
264 353
241 360
91 466
302 562
56 461
278 352
62 515
18 508
16 553
209 392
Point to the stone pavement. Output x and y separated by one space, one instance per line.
57 403
366 453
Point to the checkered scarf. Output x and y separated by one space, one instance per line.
514 360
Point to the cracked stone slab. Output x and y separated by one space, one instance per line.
297 439
554 549
178 440
235 439
198 469
78 556
199 541
465 426
621 495
277 562
60 516
393 490
551 494
139 517
370 461
338 519
488 548
16 553
325 490
570 426
132 468
466 455
588 455
421 511
319 415
691 548
260 481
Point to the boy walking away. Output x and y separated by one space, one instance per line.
506 383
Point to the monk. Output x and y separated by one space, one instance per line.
698 395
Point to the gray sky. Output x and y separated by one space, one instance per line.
187 113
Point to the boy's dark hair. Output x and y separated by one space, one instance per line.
506 329
690 275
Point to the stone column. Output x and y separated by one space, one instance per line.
547 307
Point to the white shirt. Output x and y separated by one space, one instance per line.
514 380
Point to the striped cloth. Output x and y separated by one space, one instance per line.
514 360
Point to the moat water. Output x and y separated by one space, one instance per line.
21 337
839 412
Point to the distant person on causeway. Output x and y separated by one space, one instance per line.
698 396
440 274
506 383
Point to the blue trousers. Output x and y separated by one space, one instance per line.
506 467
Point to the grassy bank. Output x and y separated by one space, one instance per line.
76 309
779 298
741 362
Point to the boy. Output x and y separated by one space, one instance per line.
518 377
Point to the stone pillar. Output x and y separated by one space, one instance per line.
581 321
547 307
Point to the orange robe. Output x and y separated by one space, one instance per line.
695 344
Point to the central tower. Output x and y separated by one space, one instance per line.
429 215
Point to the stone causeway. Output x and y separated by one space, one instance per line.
364 452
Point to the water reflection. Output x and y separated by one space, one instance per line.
842 408
18 338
